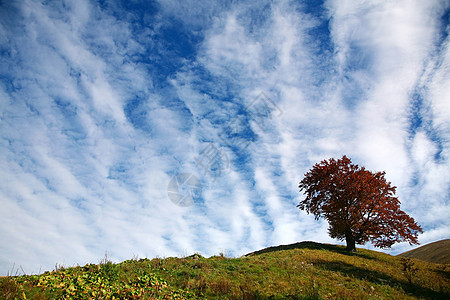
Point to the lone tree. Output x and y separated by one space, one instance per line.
359 205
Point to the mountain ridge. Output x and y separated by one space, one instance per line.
436 252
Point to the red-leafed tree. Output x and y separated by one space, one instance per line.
359 205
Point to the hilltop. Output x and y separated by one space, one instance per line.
436 252
299 271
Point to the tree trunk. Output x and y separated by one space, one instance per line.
351 245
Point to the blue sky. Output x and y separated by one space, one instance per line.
107 108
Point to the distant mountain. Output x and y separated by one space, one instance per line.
437 252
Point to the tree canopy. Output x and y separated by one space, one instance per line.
359 205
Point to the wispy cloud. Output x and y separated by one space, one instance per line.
101 104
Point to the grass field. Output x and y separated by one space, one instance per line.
299 271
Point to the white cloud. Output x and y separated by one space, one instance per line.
91 134
423 150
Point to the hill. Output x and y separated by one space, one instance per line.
437 252
299 271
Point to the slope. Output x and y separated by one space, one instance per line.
300 271
436 252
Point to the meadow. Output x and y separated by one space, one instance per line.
300 271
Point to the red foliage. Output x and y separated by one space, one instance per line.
359 205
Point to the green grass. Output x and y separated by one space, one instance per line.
299 271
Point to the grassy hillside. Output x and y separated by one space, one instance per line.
437 252
300 271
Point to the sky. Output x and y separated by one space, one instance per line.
165 128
